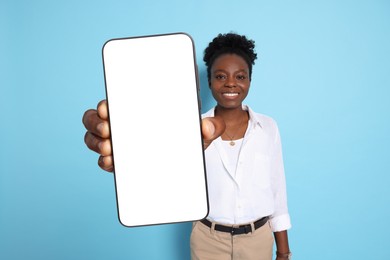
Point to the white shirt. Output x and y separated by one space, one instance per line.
256 187
232 153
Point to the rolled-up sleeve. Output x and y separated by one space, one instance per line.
280 219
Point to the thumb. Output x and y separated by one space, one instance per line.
212 128
102 109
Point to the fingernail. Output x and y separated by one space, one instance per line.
211 128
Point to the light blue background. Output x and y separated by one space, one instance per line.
322 73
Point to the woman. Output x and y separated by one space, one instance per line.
245 175
244 166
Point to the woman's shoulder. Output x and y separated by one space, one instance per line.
263 119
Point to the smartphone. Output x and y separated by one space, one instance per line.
152 91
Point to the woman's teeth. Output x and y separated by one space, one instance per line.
230 94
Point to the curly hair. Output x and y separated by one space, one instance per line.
230 43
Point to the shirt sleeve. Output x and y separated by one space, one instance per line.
280 219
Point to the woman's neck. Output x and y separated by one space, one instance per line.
231 116
236 121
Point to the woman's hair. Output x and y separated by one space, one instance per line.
233 44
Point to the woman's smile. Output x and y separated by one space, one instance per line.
229 81
230 95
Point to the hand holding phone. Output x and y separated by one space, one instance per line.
151 83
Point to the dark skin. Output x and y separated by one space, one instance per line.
229 84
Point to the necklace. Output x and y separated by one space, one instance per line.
232 143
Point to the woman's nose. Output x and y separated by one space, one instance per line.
230 82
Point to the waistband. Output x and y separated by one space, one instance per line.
242 229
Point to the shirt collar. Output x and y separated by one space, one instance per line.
253 119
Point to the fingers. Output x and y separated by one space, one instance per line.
96 124
100 145
106 163
97 137
212 128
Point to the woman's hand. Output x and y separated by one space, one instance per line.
97 137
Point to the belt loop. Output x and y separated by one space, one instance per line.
212 228
253 227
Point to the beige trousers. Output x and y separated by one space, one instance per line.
209 244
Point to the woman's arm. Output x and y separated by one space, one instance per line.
282 247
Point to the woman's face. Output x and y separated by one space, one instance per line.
229 80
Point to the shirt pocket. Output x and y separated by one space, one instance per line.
262 171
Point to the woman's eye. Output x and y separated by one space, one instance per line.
220 77
241 77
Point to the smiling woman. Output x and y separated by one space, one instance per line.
245 173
